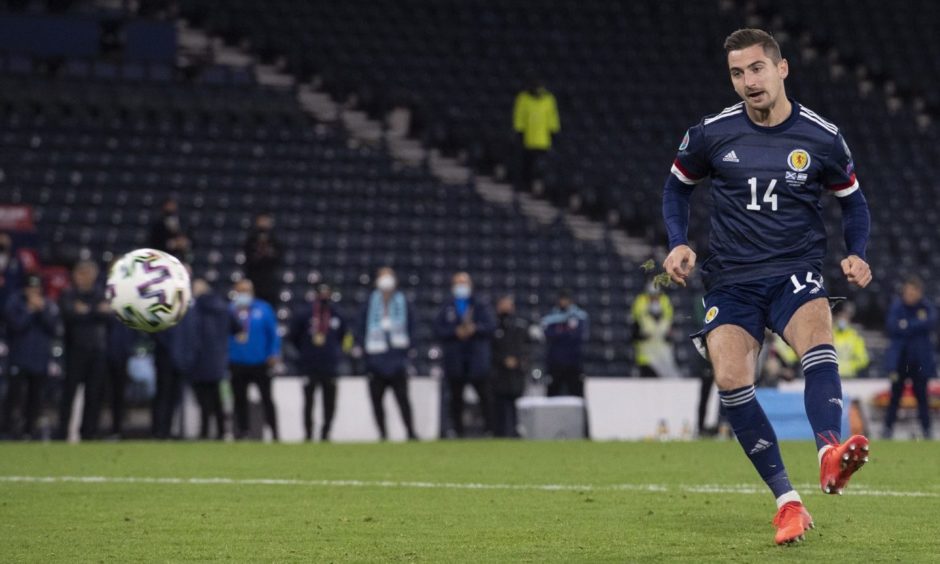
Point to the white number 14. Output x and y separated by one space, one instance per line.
769 196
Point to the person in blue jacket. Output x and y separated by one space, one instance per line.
215 323
386 333
566 330
317 331
32 322
465 328
911 320
253 351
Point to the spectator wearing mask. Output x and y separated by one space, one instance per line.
386 333
911 320
652 316
535 119
510 361
318 331
566 330
177 350
32 323
465 327
849 344
215 324
122 341
85 315
263 254
253 352
167 234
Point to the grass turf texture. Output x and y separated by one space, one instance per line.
63 521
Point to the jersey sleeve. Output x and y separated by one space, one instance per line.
838 174
691 165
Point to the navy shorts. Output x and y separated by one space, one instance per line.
758 304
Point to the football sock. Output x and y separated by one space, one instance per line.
823 395
757 438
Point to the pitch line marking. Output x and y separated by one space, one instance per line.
749 489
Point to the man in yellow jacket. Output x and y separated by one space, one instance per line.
535 118
849 344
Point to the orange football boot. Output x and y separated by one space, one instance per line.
792 521
839 462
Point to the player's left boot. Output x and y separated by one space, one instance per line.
792 521
839 462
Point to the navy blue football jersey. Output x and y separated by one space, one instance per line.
767 183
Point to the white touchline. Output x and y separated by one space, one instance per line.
658 488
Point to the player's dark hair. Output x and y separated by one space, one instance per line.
914 281
747 37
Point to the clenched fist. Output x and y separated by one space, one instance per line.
856 270
679 264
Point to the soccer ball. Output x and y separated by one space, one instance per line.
149 290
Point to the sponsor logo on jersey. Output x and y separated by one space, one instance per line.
711 314
798 159
731 158
685 142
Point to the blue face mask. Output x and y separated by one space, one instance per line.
461 291
242 299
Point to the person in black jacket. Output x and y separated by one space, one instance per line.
465 326
263 253
85 313
121 343
177 349
32 322
317 331
510 359
214 325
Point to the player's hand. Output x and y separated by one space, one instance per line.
679 264
856 270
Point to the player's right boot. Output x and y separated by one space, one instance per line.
792 521
839 462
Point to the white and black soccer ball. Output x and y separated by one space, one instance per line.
149 290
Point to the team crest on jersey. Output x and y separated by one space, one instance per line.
711 314
685 142
799 160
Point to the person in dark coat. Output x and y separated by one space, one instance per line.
263 255
566 330
464 327
386 332
175 356
122 341
85 315
32 322
911 320
510 362
317 331
214 325
11 272
167 233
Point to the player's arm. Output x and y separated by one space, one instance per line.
856 218
687 170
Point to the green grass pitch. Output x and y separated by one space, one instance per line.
461 501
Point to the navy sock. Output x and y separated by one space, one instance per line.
757 437
823 394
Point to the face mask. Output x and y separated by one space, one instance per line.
461 291
385 283
243 299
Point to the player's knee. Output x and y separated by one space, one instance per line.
732 379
